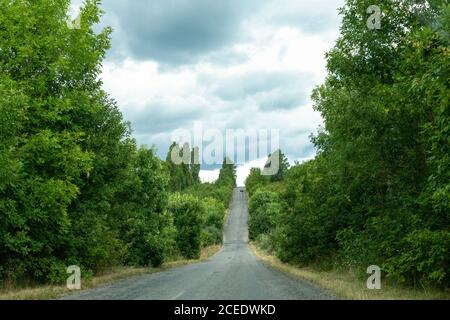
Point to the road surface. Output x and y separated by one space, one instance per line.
234 273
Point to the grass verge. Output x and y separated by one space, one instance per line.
346 285
47 292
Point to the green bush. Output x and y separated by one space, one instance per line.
74 189
212 222
211 190
214 213
210 236
255 180
214 198
263 212
377 191
187 212
424 260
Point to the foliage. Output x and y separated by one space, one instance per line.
282 163
179 162
194 167
74 189
227 174
263 211
187 212
378 190
214 199
254 180
211 190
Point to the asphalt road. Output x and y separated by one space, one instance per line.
234 273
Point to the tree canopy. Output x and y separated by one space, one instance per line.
377 192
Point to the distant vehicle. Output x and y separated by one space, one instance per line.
242 190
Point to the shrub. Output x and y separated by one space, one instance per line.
187 212
263 211
425 259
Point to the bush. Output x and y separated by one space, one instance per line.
212 222
255 180
214 213
187 212
211 236
211 190
263 211
425 259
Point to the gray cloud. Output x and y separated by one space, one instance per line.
309 16
182 32
252 84
289 98
180 35
269 90
174 31
225 57
162 117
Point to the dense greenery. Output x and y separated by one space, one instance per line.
378 192
281 163
255 180
184 167
199 212
215 198
264 208
74 187
187 211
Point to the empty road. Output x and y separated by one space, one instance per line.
234 273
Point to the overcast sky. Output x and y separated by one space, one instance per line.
248 64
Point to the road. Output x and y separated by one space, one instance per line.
234 273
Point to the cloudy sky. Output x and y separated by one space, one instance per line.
227 64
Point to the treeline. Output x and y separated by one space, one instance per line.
198 209
378 191
74 187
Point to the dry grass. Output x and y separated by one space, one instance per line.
47 292
205 254
346 285
225 216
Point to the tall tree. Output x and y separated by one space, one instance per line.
68 167
254 180
279 164
195 165
179 161
227 174
53 71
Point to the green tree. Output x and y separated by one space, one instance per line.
278 160
212 222
69 170
254 180
377 191
264 209
195 165
380 102
179 160
227 174
148 229
187 212
52 75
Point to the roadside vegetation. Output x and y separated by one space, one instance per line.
32 291
378 191
344 283
75 189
